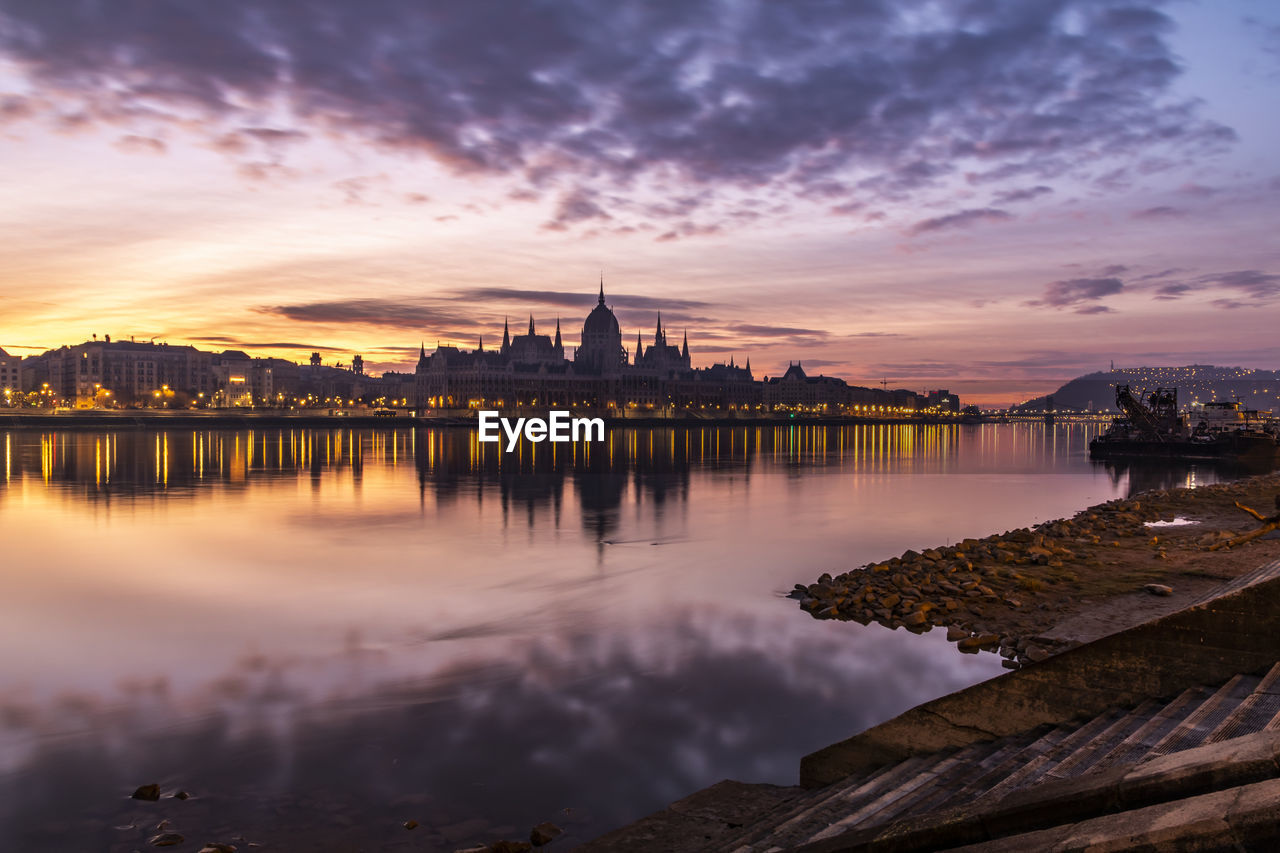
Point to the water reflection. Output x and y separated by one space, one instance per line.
323 633
449 460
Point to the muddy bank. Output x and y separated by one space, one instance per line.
1029 593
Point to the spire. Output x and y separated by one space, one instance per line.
422 350
530 325
506 335
657 334
731 360
601 287
481 347
748 364
558 344
684 350
639 346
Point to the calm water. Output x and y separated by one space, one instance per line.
323 634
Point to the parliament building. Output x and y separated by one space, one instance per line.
532 370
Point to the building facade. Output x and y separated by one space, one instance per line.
531 371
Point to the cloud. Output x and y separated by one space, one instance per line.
1094 309
570 298
133 144
577 206
239 344
960 219
1253 283
775 331
1256 285
797 99
1173 291
390 313
1073 291
1162 212
1010 196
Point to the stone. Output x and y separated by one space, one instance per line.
181 795
1158 589
214 847
956 633
890 600
544 833
510 847
410 824
150 793
981 641
166 839
915 619
1036 653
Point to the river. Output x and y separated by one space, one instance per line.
324 634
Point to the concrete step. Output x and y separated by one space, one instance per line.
1254 713
1239 818
945 785
1203 720
1141 740
799 821
1077 736
944 791
868 811
1104 741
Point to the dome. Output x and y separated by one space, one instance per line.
601 322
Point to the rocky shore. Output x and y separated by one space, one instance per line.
1032 592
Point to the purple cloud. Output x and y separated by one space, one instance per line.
960 219
1158 213
796 98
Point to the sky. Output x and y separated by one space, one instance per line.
990 197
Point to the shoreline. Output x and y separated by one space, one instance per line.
1032 592
252 420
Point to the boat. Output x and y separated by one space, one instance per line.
1155 427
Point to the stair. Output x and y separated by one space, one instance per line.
991 770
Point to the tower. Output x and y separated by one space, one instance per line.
506 337
558 345
684 349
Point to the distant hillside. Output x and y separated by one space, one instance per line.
1203 383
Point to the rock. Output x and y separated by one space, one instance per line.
150 793
1008 663
982 641
956 633
213 847
915 619
410 824
510 847
931 554
910 555
166 839
1035 653
181 795
1158 589
545 833
891 600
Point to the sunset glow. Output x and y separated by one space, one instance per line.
992 199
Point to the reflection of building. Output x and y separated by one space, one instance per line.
532 370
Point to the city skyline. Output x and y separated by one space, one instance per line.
992 200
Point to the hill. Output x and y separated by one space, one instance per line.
1196 383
